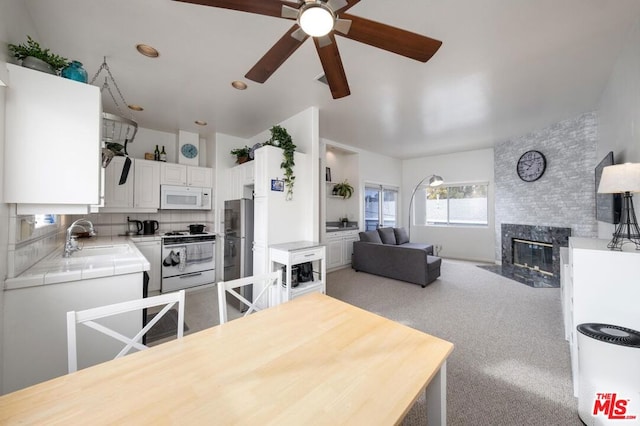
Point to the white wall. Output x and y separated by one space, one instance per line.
15 24
619 112
472 243
146 141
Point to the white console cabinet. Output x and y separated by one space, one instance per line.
599 286
340 248
295 253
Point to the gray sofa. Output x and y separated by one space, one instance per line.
387 252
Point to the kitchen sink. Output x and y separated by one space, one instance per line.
106 250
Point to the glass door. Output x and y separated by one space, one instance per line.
380 206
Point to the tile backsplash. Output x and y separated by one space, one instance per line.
29 244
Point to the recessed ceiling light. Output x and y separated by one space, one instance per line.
135 107
147 50
200 123
240 85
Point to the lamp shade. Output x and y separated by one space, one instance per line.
620 178
435 180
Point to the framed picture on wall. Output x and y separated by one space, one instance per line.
277 185
328 174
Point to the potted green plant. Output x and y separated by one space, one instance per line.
343 189
281 138
35 57
344 221
242 154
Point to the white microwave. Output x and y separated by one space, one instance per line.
185 198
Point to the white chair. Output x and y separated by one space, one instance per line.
87 316
271 285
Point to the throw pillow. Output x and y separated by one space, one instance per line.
401 235
387 236
370 237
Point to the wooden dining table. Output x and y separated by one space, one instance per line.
312 361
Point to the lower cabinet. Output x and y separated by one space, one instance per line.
340 248
152 251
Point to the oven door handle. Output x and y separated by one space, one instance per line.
193 274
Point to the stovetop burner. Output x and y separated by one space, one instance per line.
184 233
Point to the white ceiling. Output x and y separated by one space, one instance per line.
506 67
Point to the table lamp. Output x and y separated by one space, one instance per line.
624 178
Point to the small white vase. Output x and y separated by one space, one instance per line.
37 64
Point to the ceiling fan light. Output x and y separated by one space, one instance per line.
316 20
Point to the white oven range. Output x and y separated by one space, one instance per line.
188 260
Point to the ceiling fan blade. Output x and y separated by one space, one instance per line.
337 4
299 34
333 69
324 40
342 25
261 7
289 12
350 4
392 39
275 57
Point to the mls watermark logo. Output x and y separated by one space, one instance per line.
612 407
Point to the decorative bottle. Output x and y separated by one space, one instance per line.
74 71
156 154
163 155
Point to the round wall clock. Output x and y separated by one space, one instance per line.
531 166
189 150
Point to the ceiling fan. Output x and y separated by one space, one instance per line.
322 20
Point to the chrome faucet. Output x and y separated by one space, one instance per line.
71 243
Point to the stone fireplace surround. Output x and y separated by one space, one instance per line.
556 236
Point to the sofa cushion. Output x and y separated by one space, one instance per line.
401 235
387 236
370 237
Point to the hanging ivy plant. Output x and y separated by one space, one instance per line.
281 138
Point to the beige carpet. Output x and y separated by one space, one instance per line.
510 365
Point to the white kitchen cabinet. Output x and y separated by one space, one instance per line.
199 176
52 144
116 195
151 250
146 184
340 248
237 178
35 326
182 175
334 251
139 194
173 174
289 254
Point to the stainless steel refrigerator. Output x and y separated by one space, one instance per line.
238 245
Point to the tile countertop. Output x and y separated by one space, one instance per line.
340 228
55 269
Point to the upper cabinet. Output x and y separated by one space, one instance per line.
199 176
52 148
180 174
116 195
139 191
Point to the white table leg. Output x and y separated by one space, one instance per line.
436 395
